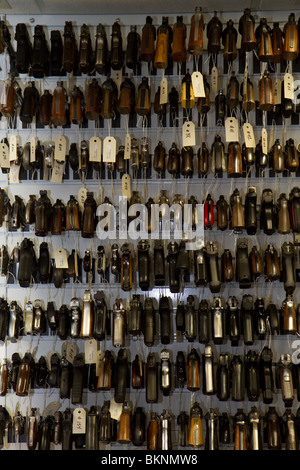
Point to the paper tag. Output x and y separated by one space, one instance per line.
163 96
14 174
231 129
33 142
57 172
214 79
264 141
248 135
188 134
198 85
90 351
4 156
95 148
79 421
13 148
288 86
117 78
127 150
82 194
100 194
99 359
71 351
109 149
60 149
61 258
126 186
277 91
115 409
51 408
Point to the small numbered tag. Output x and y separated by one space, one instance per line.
14 173
264 141
60 148
249 135
109 149
198 85
117 78
99 358
277 91
61 258
82 193
57 172
231 129
127 150
100 194
4 156
188 134
90 351
33 141
126 186
79 421
163 96
13 144
95 148
115 409
214 79
288 86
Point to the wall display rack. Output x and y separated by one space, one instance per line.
160 316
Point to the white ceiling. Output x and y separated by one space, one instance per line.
116 7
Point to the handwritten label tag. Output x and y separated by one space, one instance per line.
95 148
13 148
127 150
71 351
109 149
33 141
277 91
264 141
115 409
198 85
57 172
4 156
163 96
79 421
82 193
99 359
60 148
14 174
126 186
214 79
117 78
61 258
231 129
90 351
188 134
288 86
248 135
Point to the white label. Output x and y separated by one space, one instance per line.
163 97
79 421
126 186
198 85
14 173
277 91
264 141
60 148
117 78
127 150
57 172
188 134
32 149
95 148
71 351
249 135
82 193
99 358
214 79
100 194
115 409
4 156
109 149
13 148
90 351
231 129
61 258
288 86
